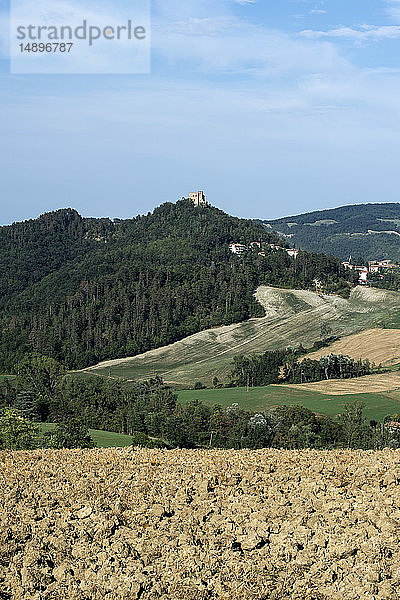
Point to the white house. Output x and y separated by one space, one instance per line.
347 265
374 267
292 252
237 248
363 275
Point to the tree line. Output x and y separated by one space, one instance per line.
150 412
284 366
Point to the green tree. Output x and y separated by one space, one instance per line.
260 432
355 431
40 375
216 383
25 404
199 385
70 434
17 433
196 422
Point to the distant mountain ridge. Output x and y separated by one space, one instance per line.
371 231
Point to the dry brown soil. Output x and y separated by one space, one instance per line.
125 524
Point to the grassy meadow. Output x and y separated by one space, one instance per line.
377 405
102 439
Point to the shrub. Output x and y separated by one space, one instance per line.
199 385
70 434
16 432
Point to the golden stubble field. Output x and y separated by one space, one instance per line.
376 383
124 524
381 346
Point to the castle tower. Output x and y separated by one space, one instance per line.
198 198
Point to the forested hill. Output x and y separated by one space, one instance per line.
83 290
371 231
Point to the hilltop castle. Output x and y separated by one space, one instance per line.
198 198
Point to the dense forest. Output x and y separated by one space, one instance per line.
357 230
81 290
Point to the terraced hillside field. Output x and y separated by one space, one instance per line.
292 317
124 524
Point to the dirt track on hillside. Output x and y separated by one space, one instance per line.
124 524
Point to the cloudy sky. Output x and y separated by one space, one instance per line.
273 107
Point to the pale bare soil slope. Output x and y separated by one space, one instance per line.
292 317
124 524
381 346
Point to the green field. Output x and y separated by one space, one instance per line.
377 405
102 439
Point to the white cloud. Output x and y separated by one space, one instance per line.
360 34
393 9
227 44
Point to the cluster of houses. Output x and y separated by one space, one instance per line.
374 266
237 248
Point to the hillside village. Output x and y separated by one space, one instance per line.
239 249
377 267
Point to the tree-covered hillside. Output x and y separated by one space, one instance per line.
33 249
83 290
371 231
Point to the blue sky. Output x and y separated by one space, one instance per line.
273 107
